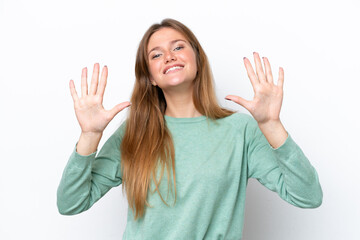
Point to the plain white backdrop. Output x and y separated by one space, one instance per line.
44 44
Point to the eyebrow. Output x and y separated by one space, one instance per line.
172 42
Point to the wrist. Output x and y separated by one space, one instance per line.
88 143
271 124
91 134
274 132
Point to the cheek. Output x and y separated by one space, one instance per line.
153 69
194 63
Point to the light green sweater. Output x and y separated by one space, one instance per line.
213 161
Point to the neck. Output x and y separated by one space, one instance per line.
180 104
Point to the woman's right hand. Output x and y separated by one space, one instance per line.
90 113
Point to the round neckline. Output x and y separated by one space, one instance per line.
184 120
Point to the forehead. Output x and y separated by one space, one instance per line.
163 36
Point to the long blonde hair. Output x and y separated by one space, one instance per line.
147 141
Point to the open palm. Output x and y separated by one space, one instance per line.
90 113
267 100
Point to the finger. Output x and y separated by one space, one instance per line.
118 108
73 91
280 82
250 72
103 80
259 68
94 79
239 100
84 90
269 76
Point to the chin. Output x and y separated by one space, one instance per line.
176 82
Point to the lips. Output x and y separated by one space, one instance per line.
175 65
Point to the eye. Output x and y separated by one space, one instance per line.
155 56
178 48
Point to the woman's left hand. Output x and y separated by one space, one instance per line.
266 105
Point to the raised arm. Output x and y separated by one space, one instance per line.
273 157
87 178
285 170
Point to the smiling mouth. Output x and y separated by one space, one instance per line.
174 69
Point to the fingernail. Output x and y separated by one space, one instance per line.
105 66
244 58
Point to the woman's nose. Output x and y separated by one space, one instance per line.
170 56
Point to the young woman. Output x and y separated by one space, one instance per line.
183 160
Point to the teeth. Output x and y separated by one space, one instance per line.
173 68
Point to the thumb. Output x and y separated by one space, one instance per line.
239 100
118 108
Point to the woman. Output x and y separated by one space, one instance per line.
183 160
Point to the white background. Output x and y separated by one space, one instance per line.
44 44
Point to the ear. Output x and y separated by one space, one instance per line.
152 81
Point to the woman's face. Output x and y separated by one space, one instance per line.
172 60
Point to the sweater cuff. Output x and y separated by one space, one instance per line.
81 161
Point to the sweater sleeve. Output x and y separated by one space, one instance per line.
86 179
284 170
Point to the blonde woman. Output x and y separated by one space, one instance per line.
183 160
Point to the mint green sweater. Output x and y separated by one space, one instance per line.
213 161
